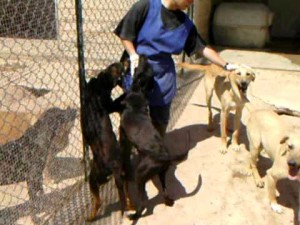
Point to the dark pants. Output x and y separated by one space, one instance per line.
160 116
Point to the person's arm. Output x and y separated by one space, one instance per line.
129 47
195 45
133 56
213 56
129 27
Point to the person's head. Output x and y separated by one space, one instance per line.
177 4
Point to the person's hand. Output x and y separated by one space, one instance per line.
231 66
134 61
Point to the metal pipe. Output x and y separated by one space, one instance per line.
82 80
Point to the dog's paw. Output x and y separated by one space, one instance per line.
91 218
246 172
260 183
169 201
223 150
276 208
129 213
134 216
235 147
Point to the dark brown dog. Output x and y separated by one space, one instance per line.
137 130
98 134
26 158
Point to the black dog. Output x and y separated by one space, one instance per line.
137 130
25 159
143 81
106 81
98 134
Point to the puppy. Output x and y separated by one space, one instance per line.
231 89
99 136
28 156
266 130
137 130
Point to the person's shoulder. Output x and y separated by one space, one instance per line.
180 14
139 8
142 4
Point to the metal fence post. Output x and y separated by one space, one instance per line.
81 73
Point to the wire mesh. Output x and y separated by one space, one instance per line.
42 170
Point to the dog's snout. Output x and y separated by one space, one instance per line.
292 163
243 86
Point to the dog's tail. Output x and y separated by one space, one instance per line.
190 66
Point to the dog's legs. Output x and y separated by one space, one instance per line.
142 198
237 122
146 169
94 187
254 154
224 116
208 84
162 178
126 148
128 206
141 185
119 181
272 179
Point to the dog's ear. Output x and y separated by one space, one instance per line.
284 139
115 70
234 87
283 149
252 74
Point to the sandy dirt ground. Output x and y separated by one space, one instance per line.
207 186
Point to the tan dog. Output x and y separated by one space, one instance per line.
266 130
231 88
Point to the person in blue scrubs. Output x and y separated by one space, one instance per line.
160 29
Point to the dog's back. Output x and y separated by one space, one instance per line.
140 131
267 131
265 128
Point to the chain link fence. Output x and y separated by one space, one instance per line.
41 153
